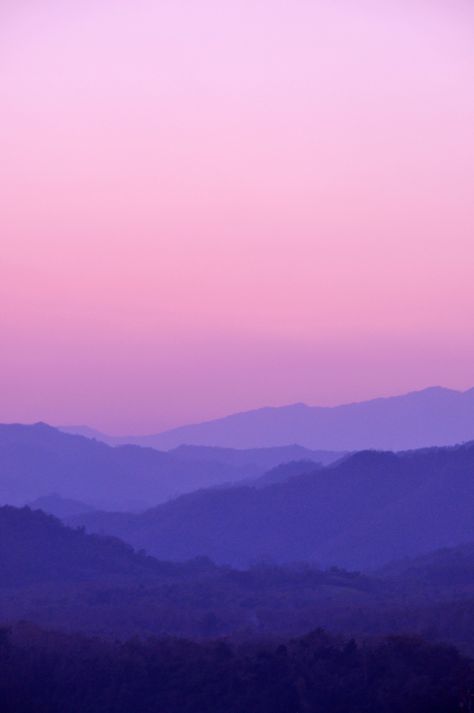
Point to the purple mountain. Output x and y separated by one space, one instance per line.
432 417
37 461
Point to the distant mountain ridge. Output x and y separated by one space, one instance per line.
38 460
435 416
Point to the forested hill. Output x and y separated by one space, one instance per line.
37 548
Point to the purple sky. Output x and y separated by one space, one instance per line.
208 206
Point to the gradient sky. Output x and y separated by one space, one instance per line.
209 206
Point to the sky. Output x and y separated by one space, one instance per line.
208 207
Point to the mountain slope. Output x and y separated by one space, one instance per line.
367 510
431 417
35 547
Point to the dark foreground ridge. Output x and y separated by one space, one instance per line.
44 672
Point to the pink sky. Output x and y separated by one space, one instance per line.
208 206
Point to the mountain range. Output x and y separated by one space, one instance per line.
431 417
39 461
361 512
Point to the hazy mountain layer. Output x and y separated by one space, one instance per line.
432 417
38 460
370 508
